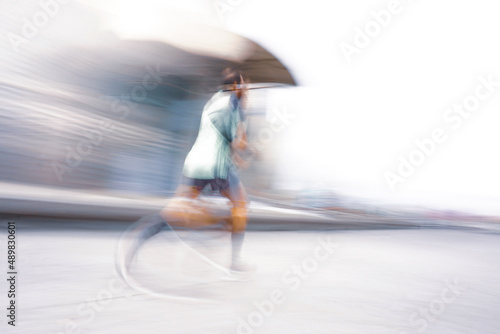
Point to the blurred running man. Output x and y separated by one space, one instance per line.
212 161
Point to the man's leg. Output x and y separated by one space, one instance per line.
184 211
237 195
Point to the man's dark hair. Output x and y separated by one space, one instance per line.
229 76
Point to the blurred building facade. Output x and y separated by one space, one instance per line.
87 120
83 108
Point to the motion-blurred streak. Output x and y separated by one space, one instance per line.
80 69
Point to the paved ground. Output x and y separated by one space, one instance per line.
384 281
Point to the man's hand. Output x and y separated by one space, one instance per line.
239 162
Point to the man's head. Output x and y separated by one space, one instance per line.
233 80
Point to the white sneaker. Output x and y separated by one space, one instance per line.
241 266
240 271
236 276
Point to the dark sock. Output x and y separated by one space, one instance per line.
237 243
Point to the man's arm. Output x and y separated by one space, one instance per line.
238 145
240 142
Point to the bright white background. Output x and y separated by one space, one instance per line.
360 117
